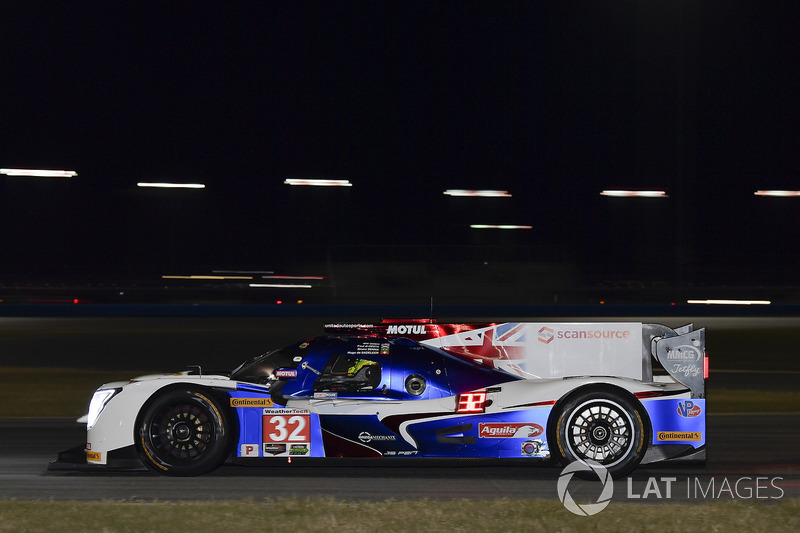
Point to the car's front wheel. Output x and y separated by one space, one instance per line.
183 432
603 427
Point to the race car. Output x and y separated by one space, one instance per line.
618 394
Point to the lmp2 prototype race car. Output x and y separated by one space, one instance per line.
619 394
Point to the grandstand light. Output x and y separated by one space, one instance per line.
633 193
162 185
314 182
293 277
481 193
34 173
730 302
278 286
784 194
498 226
204 277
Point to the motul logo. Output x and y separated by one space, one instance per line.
405 330
502 431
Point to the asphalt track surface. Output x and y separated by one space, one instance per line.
751 457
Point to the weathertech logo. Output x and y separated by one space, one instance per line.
546 335
503 431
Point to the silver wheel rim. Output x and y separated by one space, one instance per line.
601 431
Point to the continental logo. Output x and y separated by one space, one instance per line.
666 436
251 402
93 456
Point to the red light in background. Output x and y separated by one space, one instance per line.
705 367
279 302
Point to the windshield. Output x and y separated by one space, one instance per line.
261 369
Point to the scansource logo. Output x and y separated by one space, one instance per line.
585 509
546 335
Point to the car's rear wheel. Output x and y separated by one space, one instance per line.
183 432
603 427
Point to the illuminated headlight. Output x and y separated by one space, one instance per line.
99 400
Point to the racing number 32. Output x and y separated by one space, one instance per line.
286 428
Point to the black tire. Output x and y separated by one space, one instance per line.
603 427
183 432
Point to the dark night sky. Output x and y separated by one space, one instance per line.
553 101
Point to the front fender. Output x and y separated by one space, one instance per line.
115 426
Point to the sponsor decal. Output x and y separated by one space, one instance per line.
688 370
286 426
685 353
546 335
508 430
248 450
287 411
531 447
666 436
688 409
285 373
367 437
406 330
595 334
93 456
251 402
324 395
271 448
299 449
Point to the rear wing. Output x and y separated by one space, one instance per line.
542 350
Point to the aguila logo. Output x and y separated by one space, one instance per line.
510 430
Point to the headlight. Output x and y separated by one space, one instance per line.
99 400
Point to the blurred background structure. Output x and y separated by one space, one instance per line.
622 152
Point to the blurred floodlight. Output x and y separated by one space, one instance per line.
632 193
785 194
206 277
243 271
279 286
172 185
293 277
318 182
34 173
498 226
484 193
730 302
